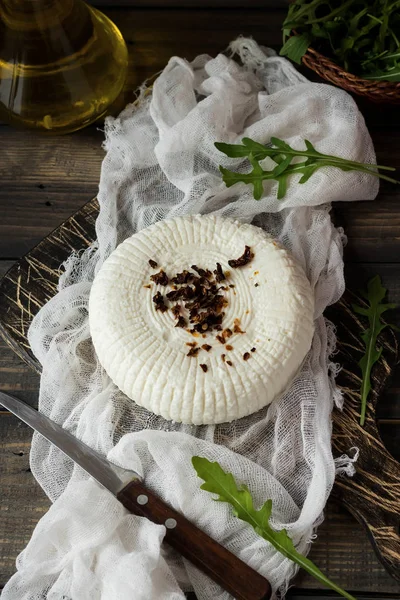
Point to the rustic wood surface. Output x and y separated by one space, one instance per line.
32 280
373 494
44 180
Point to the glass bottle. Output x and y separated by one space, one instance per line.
62 63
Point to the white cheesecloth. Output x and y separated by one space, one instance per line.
161 162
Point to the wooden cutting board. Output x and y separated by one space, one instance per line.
372 495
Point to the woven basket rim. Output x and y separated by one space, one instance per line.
354 79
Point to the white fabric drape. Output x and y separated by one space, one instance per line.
161 162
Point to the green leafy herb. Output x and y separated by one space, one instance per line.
217 481
373 311
360 35
296 46
391 74
282 155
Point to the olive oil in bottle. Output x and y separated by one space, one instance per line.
62 63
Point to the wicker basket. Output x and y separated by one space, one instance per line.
378 91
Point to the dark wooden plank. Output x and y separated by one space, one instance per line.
372 227
373 494
44 181
343 552
68 167
378 117
22 500
19 288
16 377
32 281
341 549
191 32
390 433
49 181
50 177
154 36
209 4
5 265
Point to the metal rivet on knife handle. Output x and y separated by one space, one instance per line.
142 499
170 523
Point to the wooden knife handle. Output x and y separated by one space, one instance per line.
206 554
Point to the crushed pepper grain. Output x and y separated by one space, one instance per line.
193 352
158 300
236 326
199 293
243 260
176 310
161 278
219 274
181 322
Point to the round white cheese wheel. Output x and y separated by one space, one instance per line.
146 355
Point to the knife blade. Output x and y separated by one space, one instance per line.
111 476
226 569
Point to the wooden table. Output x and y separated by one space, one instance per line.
43 180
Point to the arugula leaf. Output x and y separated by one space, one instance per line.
388 75
349 32
217 481
295 47
232 150
375 309
282 154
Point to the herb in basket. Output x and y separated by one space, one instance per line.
374 310
217 481
282 155
363 37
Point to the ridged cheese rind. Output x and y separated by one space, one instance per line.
146 355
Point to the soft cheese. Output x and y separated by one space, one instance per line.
146 355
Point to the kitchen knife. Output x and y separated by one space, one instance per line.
206 554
